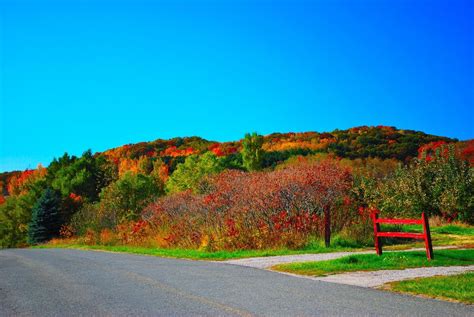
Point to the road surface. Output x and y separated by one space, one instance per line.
60 282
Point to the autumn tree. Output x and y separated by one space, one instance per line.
145 165
252 152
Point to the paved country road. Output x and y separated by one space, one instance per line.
60 282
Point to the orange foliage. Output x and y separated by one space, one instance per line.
17 184
127 165
173 151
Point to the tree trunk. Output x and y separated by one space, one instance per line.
327 226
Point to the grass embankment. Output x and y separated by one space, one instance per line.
443 235
373 262
455 287
193 254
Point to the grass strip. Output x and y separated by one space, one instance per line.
373 262
454 287
193 254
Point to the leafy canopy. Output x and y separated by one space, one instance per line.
191 173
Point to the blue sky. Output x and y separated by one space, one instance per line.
98 74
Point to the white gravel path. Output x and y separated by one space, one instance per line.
378 278
269 261
362 279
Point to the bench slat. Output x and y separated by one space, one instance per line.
401 235
400 221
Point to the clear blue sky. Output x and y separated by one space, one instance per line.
98 74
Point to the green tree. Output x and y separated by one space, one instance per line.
252 152
46 218
126 198
85 176
191 173
15 214
440 185
13 223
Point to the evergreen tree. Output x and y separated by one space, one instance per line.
45 218
252 152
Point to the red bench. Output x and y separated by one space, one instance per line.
426 236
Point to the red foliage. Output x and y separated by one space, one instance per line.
254 210
139 226
150 153
429 150
216 149
76 198
467 152
2 199
222 149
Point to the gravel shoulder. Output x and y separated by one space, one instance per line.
268 262
379 278
370 279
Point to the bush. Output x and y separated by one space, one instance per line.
254 210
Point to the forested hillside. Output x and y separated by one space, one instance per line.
162 192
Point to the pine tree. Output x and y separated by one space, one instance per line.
45 218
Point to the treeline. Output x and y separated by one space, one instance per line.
189 192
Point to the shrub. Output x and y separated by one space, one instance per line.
254 210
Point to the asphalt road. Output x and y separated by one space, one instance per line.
59 282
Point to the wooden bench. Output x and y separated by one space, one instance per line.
426 236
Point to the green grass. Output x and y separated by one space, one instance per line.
455 235
192 254
445 229
445 235
373 262
456 287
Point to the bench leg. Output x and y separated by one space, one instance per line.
426 232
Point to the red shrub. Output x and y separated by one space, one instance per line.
255 210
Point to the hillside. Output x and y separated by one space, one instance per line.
251 183
358 142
